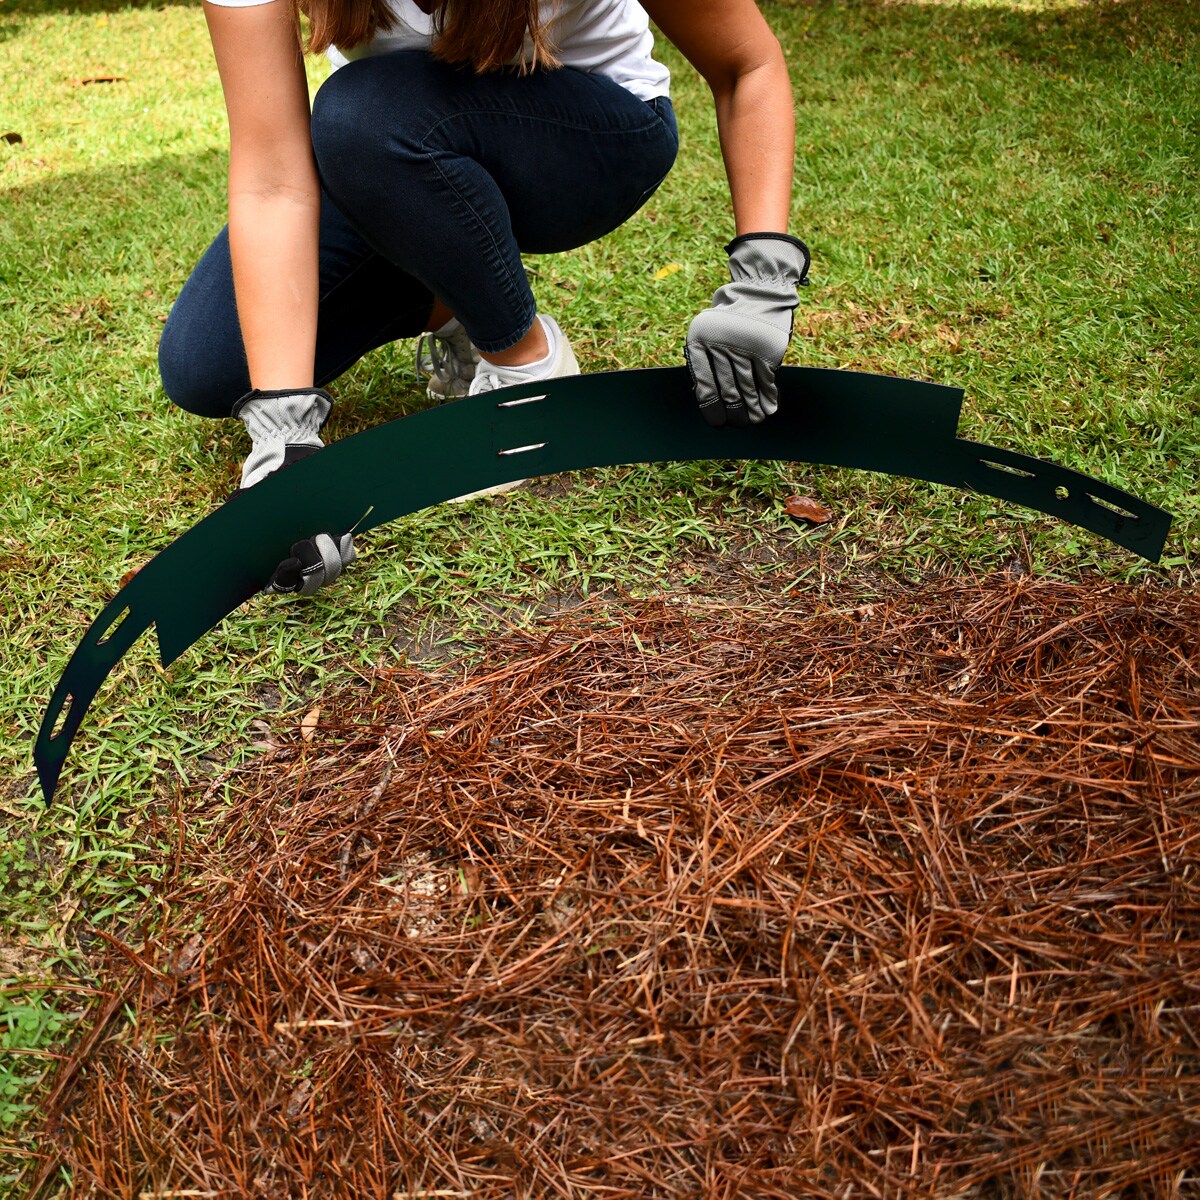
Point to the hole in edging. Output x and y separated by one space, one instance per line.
1062 492
110 630
1007 470
518 403
63 713
1115 509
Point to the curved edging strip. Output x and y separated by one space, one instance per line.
833 418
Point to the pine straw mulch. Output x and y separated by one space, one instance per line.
665 899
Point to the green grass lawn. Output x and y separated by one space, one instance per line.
999 196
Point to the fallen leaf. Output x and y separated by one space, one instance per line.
309 724
667 271
128 576
13 139
808 509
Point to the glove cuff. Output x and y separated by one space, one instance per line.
258 399
769 255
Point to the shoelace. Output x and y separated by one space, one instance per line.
439 358
430 355
485 381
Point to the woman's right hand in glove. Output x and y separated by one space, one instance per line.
284 427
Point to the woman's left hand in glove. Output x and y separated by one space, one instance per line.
735 347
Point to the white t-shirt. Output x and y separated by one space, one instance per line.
608 37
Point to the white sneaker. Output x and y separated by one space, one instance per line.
490 377
449 360
559 362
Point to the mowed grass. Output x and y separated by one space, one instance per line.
999 196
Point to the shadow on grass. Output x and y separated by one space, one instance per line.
41 8
84 279
14 11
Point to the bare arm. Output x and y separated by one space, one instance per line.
733 48
274 195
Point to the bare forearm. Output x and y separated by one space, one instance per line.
273 242
733 48
756 122
274 193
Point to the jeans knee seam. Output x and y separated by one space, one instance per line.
512 284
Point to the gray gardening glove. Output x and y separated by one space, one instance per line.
285 427
735 347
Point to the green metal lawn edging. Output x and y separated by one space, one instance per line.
827 417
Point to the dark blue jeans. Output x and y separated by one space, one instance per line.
435 181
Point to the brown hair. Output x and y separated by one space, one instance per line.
486 34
